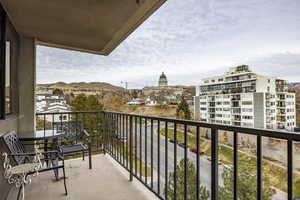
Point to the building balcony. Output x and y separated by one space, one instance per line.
143 156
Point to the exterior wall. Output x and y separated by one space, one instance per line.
21 120
259 110
255 100
11 121
196 107
26 125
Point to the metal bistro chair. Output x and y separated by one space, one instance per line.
74 139
52 160
20 175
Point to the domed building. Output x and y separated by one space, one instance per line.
163 81
171 94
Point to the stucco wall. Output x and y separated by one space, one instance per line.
11 122
22 119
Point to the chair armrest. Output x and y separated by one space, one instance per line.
89 137
33 153
86 133
38 143
28 139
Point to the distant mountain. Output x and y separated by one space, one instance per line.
99 86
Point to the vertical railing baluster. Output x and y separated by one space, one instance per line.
110 136
113 135
61 124
141 148
197 164
91 130
127 138
105 130
44 125
53 124
146 163
151 153
214 164
166 159
103 142
123 140
158 157
69 123
185 162
119 136
97 130
235 165
290 168
135 145
259 168
116 137
76 128
175 161
130 148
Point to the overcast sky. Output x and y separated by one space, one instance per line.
190 40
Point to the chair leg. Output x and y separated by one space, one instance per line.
90 158
64 172
19 192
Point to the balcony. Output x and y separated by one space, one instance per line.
107 179
159 145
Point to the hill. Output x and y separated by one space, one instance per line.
99 86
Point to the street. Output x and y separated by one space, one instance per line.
142 147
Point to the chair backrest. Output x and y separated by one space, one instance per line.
72 130
14 145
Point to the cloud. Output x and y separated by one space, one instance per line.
189 40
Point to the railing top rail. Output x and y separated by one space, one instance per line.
286 135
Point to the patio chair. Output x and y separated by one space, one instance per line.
52 160
74 139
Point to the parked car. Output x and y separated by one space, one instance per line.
181 144
194 150
121 138
171 140
209 159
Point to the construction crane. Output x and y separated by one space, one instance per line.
126 84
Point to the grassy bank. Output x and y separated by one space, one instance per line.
273 171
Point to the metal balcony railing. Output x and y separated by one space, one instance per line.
151 148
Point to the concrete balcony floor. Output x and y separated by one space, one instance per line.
106 181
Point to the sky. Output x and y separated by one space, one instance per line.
190 40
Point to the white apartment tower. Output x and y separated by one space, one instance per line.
243 98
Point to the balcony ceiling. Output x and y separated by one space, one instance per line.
94 26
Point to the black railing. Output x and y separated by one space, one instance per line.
152 149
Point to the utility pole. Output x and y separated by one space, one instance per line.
126 87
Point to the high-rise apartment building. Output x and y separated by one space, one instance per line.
243 98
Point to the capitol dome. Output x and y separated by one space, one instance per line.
162 80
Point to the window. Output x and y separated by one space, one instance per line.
247 117
5 70
247 109
247 103
7 79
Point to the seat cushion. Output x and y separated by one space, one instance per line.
71 149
